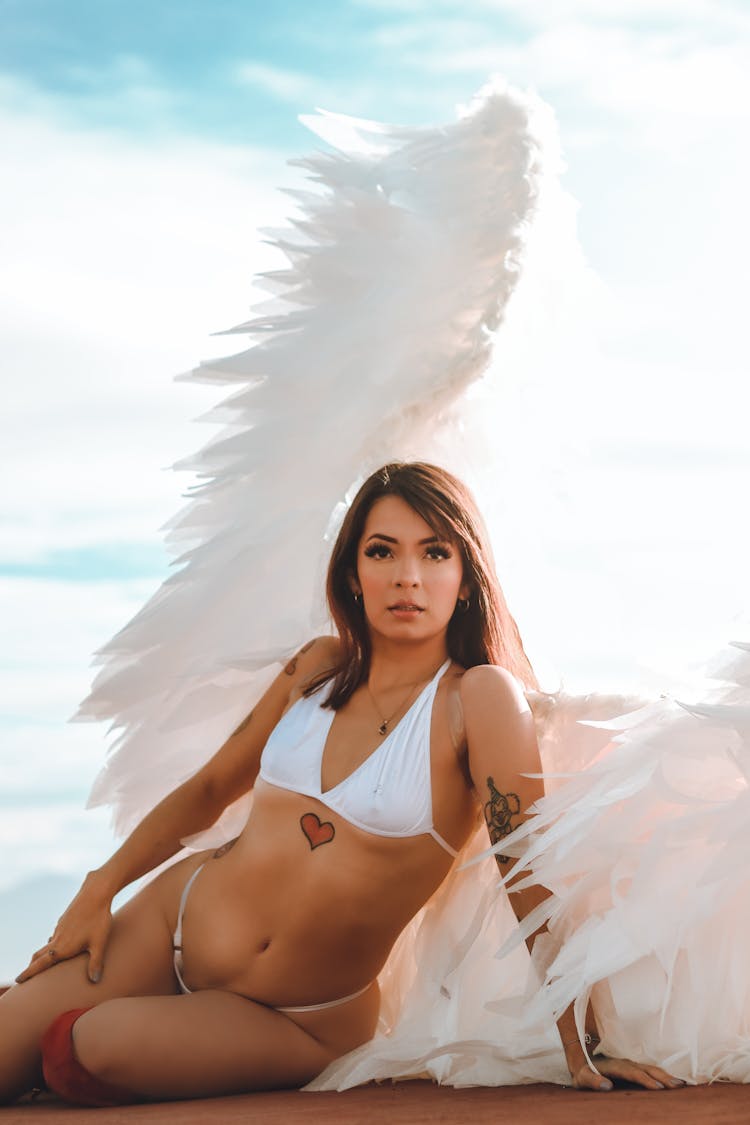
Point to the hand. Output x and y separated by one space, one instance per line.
640 1074
84 927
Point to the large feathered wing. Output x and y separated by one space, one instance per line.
401 262
645 853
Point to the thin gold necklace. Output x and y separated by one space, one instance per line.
406 701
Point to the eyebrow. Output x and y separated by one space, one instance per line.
390 539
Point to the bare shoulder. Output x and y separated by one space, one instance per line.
487 689
500 731
321 654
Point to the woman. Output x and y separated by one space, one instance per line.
370 756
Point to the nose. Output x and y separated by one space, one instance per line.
407 573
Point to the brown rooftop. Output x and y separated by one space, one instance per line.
417 1103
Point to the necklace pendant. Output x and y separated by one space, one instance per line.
383 727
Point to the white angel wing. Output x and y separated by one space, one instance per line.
645 853
401 265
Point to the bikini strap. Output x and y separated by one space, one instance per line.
442 841
434 682
177 936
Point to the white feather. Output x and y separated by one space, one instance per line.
644 852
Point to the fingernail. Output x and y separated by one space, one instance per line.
95 977
605 1084
659 1085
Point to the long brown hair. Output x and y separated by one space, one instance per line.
485 633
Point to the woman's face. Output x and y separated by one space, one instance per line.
409 578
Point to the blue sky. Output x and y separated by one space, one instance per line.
143 146
231 69
625 79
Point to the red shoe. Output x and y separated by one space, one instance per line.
64 1074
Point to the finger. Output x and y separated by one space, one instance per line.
640 1076
45 959
96 961
654 1078
663 1077
647 1081
587 1079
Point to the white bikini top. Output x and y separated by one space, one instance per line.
389 794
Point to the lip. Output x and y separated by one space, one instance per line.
406 607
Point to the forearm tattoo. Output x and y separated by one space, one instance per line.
225 848
291 667
498 812
317 832
243 724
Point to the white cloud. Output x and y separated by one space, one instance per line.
58 837
353 95
646 76
126 89
119 258
448 34
651 63
287 85
727 15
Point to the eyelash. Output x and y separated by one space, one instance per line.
380 551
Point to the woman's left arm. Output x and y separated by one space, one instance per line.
502 748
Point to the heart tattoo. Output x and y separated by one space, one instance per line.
317 832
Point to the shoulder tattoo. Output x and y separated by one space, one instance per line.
498 813
291 667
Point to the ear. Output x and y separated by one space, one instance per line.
465 591
354 585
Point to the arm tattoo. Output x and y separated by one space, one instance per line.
225 848
291 667
243 724
498 812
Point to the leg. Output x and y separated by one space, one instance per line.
211 1043
138 961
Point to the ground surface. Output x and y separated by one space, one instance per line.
419 1103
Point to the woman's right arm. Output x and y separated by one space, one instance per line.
192 807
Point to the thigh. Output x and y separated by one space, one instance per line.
137 962
204 1044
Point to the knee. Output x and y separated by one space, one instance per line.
79 1061
96 1043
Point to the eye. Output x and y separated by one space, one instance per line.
438 551
377 551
